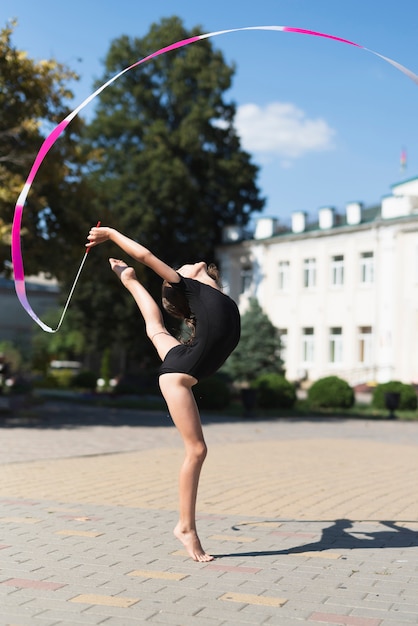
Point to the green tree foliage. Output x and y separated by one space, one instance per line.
170 171
11 356
33 99
67 345
258 351
5 233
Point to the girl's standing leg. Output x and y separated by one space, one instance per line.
177 391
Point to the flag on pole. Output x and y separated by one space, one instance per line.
403 159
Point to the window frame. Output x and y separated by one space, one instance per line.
309 273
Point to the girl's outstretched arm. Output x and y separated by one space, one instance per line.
134 250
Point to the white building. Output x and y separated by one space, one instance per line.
15 324
343 292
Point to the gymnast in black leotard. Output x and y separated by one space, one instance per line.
193 294
217 330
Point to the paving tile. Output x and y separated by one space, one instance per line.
102 600
319 555
233 538
19 520
248 598
23 583
343 620
78 533
157 574
237 569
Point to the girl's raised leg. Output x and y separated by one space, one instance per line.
154 323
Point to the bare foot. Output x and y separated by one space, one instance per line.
123 271
191 542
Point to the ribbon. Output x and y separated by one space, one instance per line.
17 260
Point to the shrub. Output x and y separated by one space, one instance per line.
274 392
408 396
142 384
20 386
63 377
85 379
212 393
331 392
46 382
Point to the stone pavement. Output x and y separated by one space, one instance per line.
312 522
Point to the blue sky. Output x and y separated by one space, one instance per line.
325 122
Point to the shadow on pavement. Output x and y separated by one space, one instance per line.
67 415
337 536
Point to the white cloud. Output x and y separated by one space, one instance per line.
281 130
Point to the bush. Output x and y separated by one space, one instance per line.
142 384
212 393
274 392
63 377
408 396
20 386
331 392
85 379
46 382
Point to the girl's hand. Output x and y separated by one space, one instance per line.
98 235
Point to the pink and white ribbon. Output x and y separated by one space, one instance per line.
17 260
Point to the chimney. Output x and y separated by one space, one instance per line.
298 222
326 218
266 227
353 213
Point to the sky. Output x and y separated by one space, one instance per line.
325 122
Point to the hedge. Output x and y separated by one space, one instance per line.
331 392
212 393
408 395
274 392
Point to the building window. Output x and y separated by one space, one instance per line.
284 275
246 278
309 273
283 344
337 271
367 268
308 345
365 344
336 345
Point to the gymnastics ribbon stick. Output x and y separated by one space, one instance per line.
72 289
17 261
28 308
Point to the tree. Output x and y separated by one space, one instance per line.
170 170
70 343
258 351
33 99
5 233
11 356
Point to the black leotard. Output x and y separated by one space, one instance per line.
217 331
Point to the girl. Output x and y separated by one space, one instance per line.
193 294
